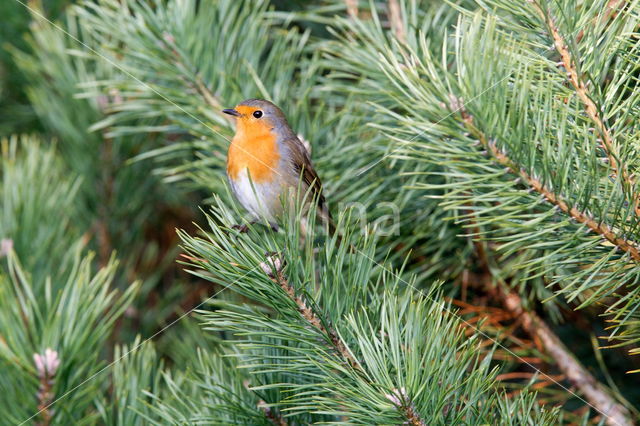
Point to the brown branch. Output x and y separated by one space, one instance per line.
590 106
399 397
600 228
413 416
597 395
397 24
403 403
307 313
106 190
45 398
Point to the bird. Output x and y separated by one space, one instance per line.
268 166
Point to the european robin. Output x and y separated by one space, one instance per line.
267 162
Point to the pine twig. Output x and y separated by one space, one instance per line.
46 366
596 394
400 399
580 377
275 263
598 227
413 416
273 268
591 108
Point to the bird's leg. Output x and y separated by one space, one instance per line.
273 254
244 228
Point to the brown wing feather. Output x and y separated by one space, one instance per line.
302 165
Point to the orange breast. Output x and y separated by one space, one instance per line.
255 148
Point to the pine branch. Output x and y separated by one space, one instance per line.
597 394
274 263
399 397
570 65
415 365
600 228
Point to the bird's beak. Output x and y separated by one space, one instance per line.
231 111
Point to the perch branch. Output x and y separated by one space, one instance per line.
307 313
273 269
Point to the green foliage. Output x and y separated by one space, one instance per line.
450 147
34 190
121 205
214 392
16 113
53 299
521 106
137 369
170 79
32 322
291 350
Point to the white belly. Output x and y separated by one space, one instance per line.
262 200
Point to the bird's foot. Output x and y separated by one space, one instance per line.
243 229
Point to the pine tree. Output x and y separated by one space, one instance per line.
479 158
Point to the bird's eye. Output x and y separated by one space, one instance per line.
257 114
